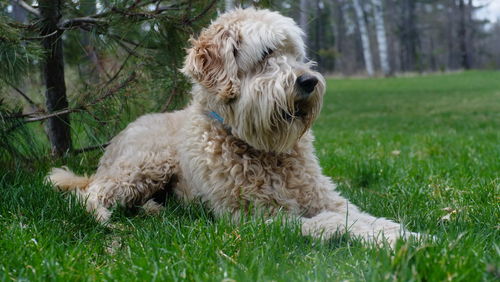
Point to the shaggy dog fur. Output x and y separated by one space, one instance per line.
244 143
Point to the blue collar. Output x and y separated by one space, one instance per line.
216 116
220 119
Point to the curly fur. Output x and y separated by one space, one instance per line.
244 67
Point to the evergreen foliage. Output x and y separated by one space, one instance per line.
17 55
122 59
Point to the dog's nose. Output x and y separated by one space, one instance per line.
307 82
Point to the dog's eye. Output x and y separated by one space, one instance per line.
268 52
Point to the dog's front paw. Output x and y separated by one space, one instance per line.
408 235
377 230
392 237
323 226
151 207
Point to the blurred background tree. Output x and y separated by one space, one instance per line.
73 73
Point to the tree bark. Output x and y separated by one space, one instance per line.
409 37
381 37
229 5
18 13
91 68
303 15
338 30
303 19
471 47
462 36
318 33
365 40
450 13
432 54
58 127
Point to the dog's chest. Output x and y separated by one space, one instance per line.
229 172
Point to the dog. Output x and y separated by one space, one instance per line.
244 143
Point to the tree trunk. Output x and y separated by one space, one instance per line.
408 36
317 34
18 13
432 54
229 5
391 25
365 40
338 30
91 69
450 13
303 19
462 37
471 34
381 38
303 15
58 127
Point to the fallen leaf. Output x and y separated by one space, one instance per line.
396 152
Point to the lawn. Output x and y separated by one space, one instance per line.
423 150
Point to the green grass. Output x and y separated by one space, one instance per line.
412 149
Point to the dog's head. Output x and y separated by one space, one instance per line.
249 67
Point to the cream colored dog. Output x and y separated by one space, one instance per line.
244 143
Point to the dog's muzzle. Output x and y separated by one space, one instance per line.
306 84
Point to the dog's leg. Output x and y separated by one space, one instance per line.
350 219
130 188
152 207
89 197
335 214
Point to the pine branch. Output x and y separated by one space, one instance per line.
125 47
28 99
31 26
130 53
94 19
202 13
135 5
18 116
119 40
112 91
109 93
127 12
169 101
54 114
28 7
40 37
173 93
77 22
90 148
144 15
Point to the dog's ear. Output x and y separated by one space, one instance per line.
211 61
